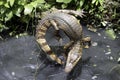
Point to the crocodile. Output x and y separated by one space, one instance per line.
62 19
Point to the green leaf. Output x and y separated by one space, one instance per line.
110 33
9 15
2 10
47 6
93 1
101 8
18 10
64 6
28 9
40 1
59 1
87 7
11 2
21 2
25 19
96 3
34 4
6 5
67 1
101 2
81 3
1 2
64 1
2 27
104 23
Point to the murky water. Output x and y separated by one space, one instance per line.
19 59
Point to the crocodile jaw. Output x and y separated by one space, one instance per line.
73 57
69 66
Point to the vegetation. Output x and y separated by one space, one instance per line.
19 16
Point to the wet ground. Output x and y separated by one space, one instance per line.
19 59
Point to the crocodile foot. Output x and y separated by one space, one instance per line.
86 42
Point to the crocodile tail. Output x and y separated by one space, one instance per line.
40 38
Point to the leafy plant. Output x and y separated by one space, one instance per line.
13 12
20 14
110 33
9 8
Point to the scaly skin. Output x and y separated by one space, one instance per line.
71 25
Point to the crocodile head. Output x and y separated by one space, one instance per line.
73 57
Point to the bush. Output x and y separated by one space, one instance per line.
17 15
13 11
